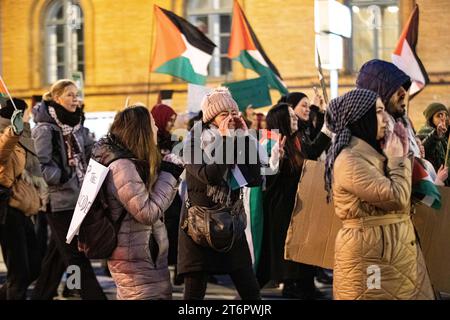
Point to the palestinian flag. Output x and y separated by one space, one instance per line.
3 90
405 57
237 179
245 48
253 204
4 93
423 188
268 139
181 49
242 175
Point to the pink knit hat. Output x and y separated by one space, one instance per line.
219 100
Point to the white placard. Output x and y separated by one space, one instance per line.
93 180
195 96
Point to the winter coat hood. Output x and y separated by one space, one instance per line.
382 77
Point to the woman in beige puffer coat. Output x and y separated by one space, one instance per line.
135 185
377 255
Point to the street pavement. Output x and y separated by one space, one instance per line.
222 290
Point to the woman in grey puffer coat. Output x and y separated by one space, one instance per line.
143 185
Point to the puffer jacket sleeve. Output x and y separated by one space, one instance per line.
146 207
42 136
390 192
8 140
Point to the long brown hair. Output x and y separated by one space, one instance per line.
132 129
278 117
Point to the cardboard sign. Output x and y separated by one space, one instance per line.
93 180
312 232
253 92
433 227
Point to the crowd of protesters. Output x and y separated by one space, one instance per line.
159 198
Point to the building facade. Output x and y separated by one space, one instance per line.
110 43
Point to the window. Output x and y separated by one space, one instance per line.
213 17
375 30
64 40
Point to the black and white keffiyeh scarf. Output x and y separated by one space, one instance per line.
73 148
341 113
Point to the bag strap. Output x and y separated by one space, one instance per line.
118 223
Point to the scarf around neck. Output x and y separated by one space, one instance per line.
74 150
221 194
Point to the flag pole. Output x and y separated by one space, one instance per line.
321 77
7 92
127 101
149 79
448 149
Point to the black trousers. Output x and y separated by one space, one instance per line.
61 255
244 280
40 227
20 253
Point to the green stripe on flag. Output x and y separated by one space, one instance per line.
256 221
181 68
250 63
237 179
428 189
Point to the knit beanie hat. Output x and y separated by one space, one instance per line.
7 109
432 109
217 101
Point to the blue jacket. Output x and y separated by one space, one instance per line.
382 77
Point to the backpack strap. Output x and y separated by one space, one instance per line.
118 223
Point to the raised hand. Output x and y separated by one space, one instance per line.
17 122
442 173
224 126
396 144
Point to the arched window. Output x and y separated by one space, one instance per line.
64 40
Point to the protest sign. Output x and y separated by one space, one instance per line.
253 92
93 180
312 232
195 96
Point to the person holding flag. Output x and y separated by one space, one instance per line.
23 194
435 136
311 146
392 85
